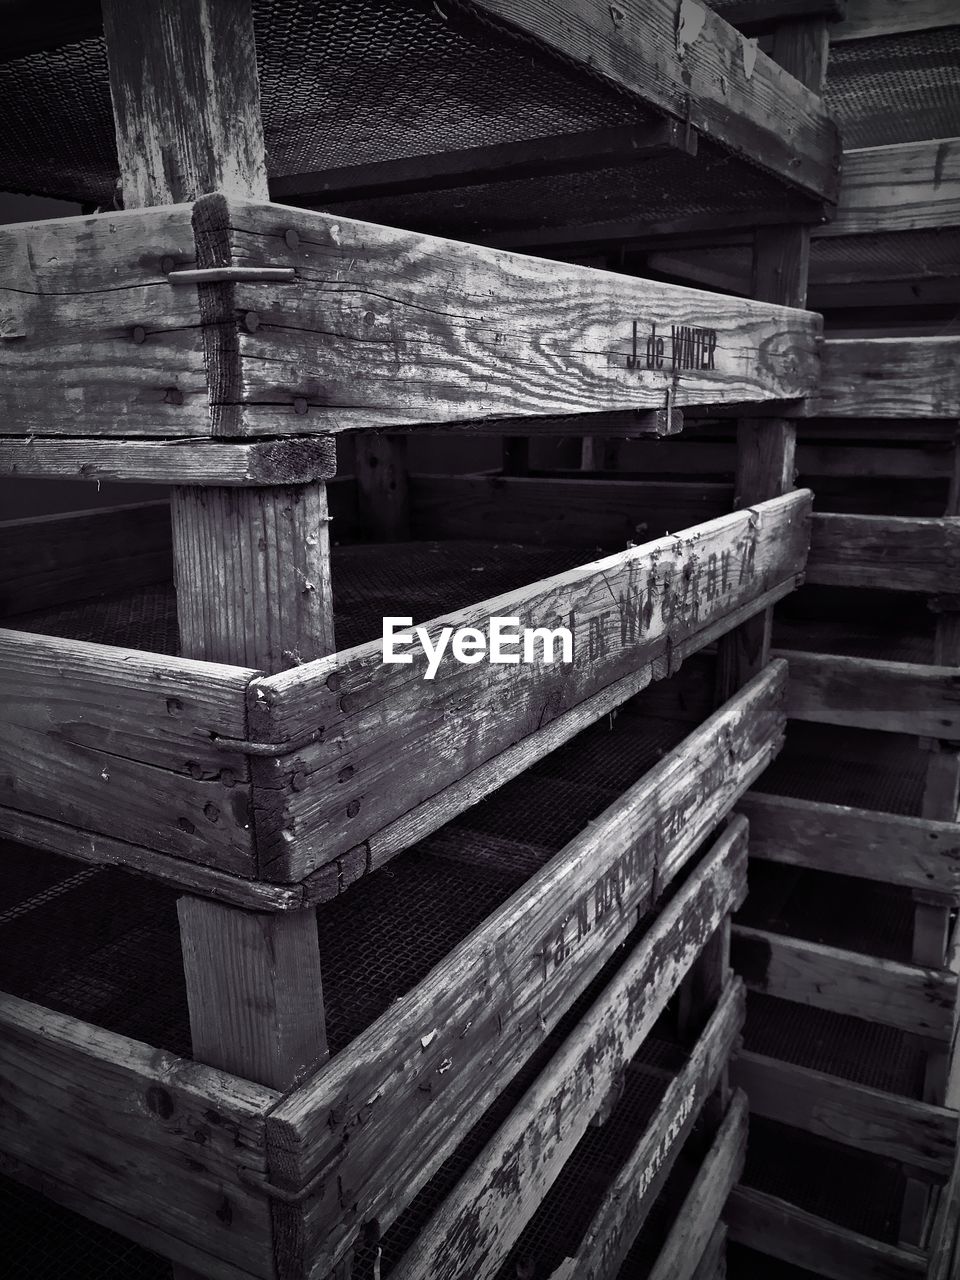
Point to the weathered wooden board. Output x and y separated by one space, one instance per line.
906 996
902 187
694 456
222 462
945 1232
781 1230
383 327
133 1129
618 1220
471 1233
440 1055
895 553
95 341
577 512
690 63
381 739
122 743
885 1124
871 693
888 378
701 1209
868 18
916 853
49 561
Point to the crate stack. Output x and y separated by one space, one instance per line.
316 966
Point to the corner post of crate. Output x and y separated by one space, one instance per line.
252 565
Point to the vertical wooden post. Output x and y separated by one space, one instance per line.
516 455
252 565
383 492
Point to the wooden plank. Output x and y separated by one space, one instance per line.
894 553
869 18
902 187
48 561
694 66
577 512
485 1022
130 1129
945 1235
477 166
395 350
888 378
701 1209
781 1230
123 743
383 491
222 462
689 455
871 693
713 1264
884 1124
916 853
617 1222
754 16
906 996
385 749
477 1224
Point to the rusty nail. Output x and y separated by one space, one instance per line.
173 395
139 334
300 405
291 239
251 322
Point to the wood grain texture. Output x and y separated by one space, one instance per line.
184 128
888 378
122 743
184 462
905 996
917 853
698 1216
245 971
49 561
894 553
693 65
471 1233
781 1230
94 1109
871 693
94 340
884 1124
385 749
253 574
618 1220
486 1007
383 328
903 187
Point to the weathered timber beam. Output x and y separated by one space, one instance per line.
916 853
755 16
902 187
94 1109
866 19
888 378
872 693
781 1230
884 1124
184 462
695 70
475 166
54 560
696 577
909 997
894 553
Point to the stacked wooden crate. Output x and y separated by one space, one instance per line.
426 963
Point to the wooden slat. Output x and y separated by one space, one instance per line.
384 750
872 693
781 1230
383 486
618 1220
123 1129
484 1023
884 1124
753 16
248 462
48 561
894 553
703 1204
692 456
713 1264
692 64
945 1235
905 996
888 378
474 1229
902 187
123 743
916 853
866 19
